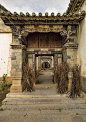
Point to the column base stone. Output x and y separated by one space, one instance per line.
16 89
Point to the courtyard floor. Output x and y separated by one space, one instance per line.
42 105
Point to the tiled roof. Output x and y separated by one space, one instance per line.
21 18
2 8
74 6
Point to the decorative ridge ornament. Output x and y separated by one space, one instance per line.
15 14
33 14
27 14
46 14
52 14
21 14
40 14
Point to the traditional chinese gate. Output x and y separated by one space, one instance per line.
22 25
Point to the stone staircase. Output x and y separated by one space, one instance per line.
25 107
42 105
43 95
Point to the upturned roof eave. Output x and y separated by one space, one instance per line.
21 18
74 6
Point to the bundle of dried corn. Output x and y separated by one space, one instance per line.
75 88
62 75
27 78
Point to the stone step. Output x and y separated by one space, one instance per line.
36 95
45 86
32 101
54 106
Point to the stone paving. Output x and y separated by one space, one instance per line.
44 108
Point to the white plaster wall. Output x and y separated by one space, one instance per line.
84 6
81 38
5 53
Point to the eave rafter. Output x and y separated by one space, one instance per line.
21 18
74 6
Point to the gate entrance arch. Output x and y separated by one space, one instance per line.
41 35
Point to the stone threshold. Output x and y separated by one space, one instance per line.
26 95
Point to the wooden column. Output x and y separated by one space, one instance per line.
37 63
55 67
33 66
52 62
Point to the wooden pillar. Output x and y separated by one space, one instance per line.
36 63
52 61
39 63
33 66
55 67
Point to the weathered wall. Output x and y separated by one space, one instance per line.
5 51
70 51
81 54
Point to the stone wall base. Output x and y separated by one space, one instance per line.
83 83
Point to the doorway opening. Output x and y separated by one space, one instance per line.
45 65
44 68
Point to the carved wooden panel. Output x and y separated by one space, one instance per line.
33 40
55 40
44 40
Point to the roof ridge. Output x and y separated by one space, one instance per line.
3 8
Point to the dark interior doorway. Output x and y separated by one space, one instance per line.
45 65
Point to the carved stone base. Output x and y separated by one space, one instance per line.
16 89
16 86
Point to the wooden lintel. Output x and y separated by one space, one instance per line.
43 23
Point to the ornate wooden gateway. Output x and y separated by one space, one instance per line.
36 36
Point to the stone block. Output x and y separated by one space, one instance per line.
15 74
16 89
74 50
15 66
13 54
68 57
19 57
69 53
13 58
69 50
19 70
